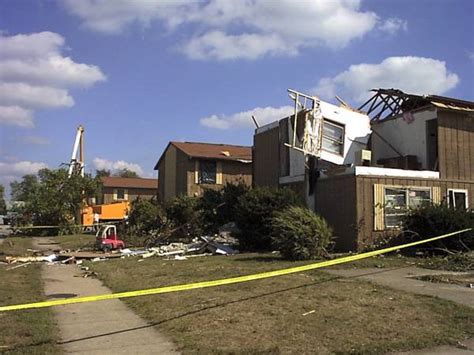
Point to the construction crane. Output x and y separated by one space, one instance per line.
76 166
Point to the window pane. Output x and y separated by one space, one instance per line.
332 146
333 137
418 198
120 194
207 172
395 207
460 200
395 199
332 131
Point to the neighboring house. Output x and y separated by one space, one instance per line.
187 168
421 149
115 189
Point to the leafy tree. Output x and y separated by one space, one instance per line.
146 216
53 198
126 173
25 189
218 207
3 205
102 172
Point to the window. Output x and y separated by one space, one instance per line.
333 137
207 172
457 199
399 200
120 194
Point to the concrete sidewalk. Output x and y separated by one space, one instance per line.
403 279
105 327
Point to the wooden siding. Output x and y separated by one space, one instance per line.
367 235
266 158
133 194
456 145
232 172
182 167
335 200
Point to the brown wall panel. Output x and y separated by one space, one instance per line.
266 158
456 145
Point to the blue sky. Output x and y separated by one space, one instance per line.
138 74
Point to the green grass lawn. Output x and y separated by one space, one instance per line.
29 331
76 241
271 315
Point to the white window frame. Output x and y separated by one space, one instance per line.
341 142
407 200
466 197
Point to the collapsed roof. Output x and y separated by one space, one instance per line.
387 103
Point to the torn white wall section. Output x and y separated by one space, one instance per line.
408 135
354 129
343 132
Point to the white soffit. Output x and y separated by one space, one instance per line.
375 171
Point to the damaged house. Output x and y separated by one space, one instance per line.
187 168
362 169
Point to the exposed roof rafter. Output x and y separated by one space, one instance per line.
387 103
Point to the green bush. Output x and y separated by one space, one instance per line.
210 205
253 213
218 207
184 216
300 234
433 220
146 216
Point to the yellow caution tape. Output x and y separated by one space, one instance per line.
69 225
232 280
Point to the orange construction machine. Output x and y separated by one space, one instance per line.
93 214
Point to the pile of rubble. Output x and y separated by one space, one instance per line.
180 251
201 246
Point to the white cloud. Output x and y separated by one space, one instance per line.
218 45
112 17
21 168
16 116
236 29
10 172
101 164
34 97
393 25
263 115
471 56
34 74
415 75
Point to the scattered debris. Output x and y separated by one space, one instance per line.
18 266
202 246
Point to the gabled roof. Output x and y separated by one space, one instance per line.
238 153
136 183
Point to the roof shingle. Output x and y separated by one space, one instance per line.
137 183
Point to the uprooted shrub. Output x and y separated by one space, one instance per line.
433 220
254 211
300 234
218 207
146 217
210 204
184 217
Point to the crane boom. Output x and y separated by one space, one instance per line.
77 165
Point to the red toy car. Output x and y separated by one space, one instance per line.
107 239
